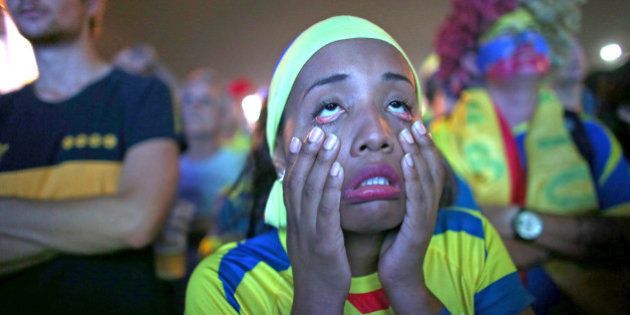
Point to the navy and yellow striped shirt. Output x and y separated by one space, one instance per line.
76 149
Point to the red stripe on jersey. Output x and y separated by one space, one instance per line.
518 178
369 302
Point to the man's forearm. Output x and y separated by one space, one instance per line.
571 236
129 219
525 255
82 226
578 236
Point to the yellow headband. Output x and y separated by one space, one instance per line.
517 20
295 57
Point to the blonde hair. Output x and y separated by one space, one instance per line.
559 22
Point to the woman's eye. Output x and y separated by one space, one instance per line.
328 113
400 109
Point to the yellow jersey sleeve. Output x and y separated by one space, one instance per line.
205 292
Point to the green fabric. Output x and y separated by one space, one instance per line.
518 20
295 57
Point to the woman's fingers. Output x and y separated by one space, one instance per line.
317 177
430 154
291 197
328 223
414 153
414 189
307 175
298 172
419 187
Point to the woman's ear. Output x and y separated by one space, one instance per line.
279 159
95 11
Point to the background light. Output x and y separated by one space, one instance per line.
17 61
252 105
610 52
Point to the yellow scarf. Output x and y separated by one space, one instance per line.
558 178
558 181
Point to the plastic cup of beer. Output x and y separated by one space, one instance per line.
170 247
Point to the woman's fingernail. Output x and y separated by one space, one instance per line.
408 160
315 135
294 145
330 142
406 135
335 169
419 127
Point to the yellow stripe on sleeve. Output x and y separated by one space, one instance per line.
613 158
72 179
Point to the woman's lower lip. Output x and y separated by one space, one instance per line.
371 193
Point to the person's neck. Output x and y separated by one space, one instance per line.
363 252
200 148
66 68
516 99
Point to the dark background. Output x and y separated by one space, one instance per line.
245 37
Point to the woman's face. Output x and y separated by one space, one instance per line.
364 92
200 110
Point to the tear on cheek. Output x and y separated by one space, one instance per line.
322 121
328 119
406 116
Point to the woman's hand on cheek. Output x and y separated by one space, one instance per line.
403 252
312 186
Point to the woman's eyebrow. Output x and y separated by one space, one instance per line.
331 79
391 76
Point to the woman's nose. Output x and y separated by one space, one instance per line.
374 134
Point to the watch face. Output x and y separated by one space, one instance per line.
528 225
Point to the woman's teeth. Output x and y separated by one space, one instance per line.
378 181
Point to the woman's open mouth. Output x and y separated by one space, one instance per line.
371 183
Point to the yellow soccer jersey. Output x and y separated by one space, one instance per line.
466 267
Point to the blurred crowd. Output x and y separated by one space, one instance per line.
510 102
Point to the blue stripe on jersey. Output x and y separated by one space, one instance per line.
616 189
458 221
245 256
601 146
464 196
546 293
520 145
501 297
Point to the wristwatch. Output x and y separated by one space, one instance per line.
527 225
